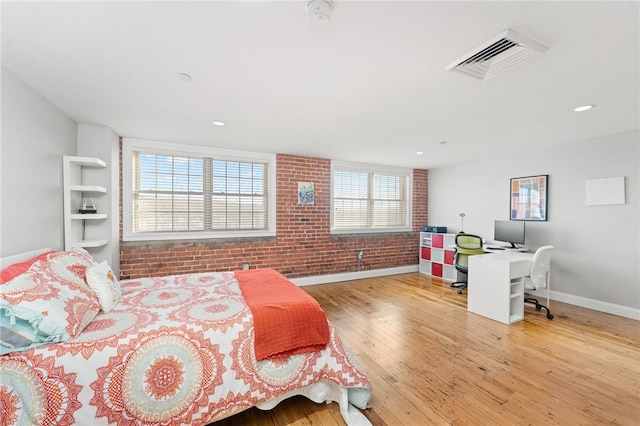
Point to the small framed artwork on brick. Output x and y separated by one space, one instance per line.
305 193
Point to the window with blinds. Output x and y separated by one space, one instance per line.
370 198
195 194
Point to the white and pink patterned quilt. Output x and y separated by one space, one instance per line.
175 351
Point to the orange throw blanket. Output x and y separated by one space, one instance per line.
287 320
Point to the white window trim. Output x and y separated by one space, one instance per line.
131 145
368 168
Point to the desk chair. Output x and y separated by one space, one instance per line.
466 245
539 277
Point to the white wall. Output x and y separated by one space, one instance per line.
596 259
35 136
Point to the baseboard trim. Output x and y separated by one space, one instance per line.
583 302
596 305
346 276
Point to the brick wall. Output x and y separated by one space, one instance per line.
302 246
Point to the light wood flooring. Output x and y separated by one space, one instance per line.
433 363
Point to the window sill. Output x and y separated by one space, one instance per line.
195 236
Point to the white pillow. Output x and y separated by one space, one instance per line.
103 282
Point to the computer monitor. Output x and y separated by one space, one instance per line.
509 231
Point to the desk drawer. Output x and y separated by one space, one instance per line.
519 269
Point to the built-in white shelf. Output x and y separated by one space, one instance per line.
76 224
88 188
88 216
87 161
89 243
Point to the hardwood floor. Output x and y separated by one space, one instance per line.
433 363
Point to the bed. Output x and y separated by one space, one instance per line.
176 350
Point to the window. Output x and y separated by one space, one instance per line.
176 191
370 198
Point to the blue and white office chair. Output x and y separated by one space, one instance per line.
539 277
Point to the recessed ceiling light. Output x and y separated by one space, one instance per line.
419 152
184 77
218 123
583 108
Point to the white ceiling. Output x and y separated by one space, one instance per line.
367 86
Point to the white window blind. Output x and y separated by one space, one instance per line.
370 198
196 194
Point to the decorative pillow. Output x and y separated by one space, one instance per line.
103 282
16 269
70 266
37 308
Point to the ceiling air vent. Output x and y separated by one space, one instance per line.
497 55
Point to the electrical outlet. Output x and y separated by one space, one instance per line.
360 256
245 266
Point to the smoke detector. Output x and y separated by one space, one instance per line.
499 54
320 9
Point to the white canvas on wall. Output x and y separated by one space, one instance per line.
605 191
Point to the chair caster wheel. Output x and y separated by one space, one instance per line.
550 316
459 291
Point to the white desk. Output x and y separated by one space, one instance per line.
491 248
496 285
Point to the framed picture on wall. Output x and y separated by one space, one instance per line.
306 193
529 197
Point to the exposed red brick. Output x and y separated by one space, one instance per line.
300 248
